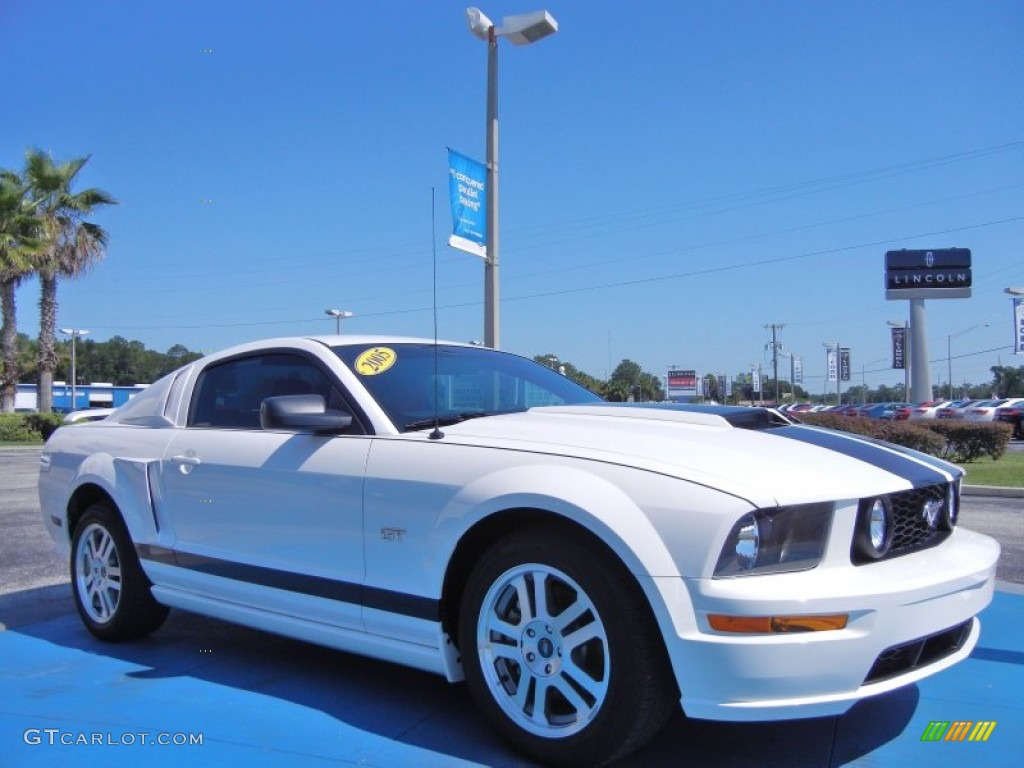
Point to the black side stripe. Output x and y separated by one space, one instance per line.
886 457
413 606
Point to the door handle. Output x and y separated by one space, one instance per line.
187 462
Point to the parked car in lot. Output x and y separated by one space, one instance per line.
986 409
1012 415
901 413
585 567
885 411
89 414
954 410
928 409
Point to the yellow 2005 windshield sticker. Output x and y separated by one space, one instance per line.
375 360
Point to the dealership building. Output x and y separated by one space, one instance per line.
97 395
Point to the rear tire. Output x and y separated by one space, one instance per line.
561 652
111 591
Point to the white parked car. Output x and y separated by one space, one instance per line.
928 409
585 567
986 409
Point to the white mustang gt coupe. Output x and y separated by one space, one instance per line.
585 567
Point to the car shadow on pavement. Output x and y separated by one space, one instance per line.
424 711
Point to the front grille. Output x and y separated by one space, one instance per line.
913 526
911 530
907 657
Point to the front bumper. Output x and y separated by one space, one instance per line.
933 594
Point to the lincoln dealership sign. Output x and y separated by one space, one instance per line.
940 274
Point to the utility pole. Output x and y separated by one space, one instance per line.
775 356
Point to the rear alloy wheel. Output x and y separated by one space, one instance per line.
111 591
560 650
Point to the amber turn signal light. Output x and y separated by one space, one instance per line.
770 624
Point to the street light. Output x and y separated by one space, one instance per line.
520 30
864 377
949 353
339 315
74 333
905 325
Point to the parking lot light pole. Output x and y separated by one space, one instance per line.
520 30
74 333
339 315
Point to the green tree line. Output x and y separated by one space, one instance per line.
116 361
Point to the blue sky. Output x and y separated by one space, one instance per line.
674 175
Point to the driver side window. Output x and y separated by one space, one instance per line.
229 395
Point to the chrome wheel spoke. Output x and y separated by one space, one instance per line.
571 614
584 680
540 697
583 708
583 635
503 628
523 593
540 597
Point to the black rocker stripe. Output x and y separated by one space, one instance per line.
918 471
317 586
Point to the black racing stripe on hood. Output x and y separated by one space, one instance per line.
885 457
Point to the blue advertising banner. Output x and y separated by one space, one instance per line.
466 188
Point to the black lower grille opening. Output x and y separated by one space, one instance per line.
918 653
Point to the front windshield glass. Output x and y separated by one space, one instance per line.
470 382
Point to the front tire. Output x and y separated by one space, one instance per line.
111 591
560 650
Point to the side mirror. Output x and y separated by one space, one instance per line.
302 413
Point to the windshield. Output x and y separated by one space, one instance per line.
470 382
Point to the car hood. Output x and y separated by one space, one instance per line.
753 453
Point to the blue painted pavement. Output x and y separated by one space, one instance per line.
260 700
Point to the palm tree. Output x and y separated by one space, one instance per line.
72 245
17 245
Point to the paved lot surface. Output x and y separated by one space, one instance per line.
261 700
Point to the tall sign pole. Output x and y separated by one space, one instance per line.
917 275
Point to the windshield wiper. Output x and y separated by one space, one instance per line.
445 421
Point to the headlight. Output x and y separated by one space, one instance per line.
951 508
873 537
776 540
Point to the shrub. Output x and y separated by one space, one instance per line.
912 436
897 432
28 427
44 423
968 441
957 441
13 429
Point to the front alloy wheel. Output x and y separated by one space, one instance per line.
543 650
560 650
